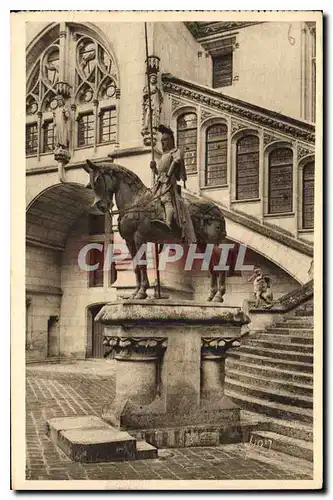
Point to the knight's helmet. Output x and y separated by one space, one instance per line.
167 131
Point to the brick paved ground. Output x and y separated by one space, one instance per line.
82 389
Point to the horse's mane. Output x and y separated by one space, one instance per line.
123 173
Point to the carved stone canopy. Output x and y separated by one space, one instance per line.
153 64
63 89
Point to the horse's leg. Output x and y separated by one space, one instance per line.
132 250
144 282
221 287
213 285
217 280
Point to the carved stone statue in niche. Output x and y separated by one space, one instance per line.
62 124
156 107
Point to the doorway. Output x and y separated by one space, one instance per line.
95 347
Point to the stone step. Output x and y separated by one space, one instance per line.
294 324
299 332
276 353
197 435
297 430
292 428
271 394
282 338
267 371
145 450
302 389
90 439
277 442
299 317
280 345
304 313
283 364
276 410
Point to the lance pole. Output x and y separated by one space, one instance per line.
158 282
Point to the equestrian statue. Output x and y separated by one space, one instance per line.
162 214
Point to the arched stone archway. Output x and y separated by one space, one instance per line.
53 212
50 219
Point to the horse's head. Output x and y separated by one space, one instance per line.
102 183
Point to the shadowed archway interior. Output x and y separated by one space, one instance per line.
53 213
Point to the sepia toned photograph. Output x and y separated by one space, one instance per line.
167 171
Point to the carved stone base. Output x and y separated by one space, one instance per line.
170 363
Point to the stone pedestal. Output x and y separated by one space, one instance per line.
170 364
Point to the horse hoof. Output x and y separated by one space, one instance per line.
211 296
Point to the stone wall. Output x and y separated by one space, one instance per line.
77 295
43 294
267 52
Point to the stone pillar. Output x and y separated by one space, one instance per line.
137 369
213 355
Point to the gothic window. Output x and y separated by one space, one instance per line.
31 139
89 72
247 168
216 155
280 181
187 140
85 129
222 70
48 136
41 84
308 196
107 125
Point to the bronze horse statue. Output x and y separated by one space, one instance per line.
138 209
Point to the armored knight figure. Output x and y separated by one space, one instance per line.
171 169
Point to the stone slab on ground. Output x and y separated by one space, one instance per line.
145 450
88 438
97 445
55 426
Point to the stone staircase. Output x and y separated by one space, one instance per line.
271 375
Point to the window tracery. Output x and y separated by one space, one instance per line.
78 67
